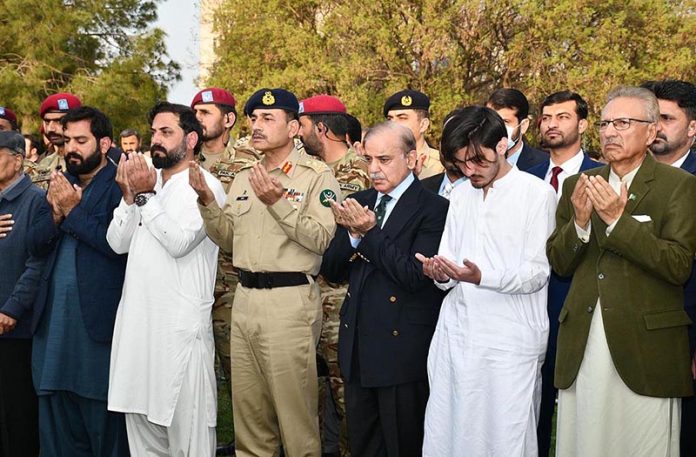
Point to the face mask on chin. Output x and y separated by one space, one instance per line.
510 142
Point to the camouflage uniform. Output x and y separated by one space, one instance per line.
236 156
41 173
352 176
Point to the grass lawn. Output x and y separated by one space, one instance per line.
225 427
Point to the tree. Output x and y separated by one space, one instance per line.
456 51
94 48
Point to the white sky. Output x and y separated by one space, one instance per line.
179 20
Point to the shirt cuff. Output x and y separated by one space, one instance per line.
583 234
490 279
354 241
611 227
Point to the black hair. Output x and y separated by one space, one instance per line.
566 96
130 132
474 127
354 130
35 142
187 119
512 99
99 124
681 92
337 123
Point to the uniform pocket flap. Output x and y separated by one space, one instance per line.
563 315
666 319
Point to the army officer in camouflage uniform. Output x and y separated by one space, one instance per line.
323 129
223 157
277 222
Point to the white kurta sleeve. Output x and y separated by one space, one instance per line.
122 226
449 244
532 273
179 234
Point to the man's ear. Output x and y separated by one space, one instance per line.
293 128
230 120
423 125
691 130
191 140
524 126
104 145
582 126
501 147
411 158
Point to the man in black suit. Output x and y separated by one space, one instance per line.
391 308
563 121
513 107
675 136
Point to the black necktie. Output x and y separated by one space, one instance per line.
381 209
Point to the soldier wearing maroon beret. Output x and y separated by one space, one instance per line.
52 110
8 120
324 127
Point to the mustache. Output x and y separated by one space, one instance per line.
661 136
258 134
374 176
74 155
157 147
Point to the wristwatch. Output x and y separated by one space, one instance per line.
142 198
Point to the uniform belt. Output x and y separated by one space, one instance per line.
271 280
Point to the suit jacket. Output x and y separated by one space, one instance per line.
558 285
390 311
530 157
433 183
100 271
690 287
639 271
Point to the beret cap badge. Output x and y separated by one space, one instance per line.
406 100
268 98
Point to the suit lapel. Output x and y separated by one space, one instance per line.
690 163
641 184
405 208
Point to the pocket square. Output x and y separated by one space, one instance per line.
642 218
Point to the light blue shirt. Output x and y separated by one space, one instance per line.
395 194
445 180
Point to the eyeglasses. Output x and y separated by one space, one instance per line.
620 123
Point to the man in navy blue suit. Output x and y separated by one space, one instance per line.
391 307
78 295
675 137
563 121
513 107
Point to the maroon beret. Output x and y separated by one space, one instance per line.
214 95
8 114
322 104
59 102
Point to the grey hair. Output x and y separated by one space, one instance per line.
130 132
407 142
645 96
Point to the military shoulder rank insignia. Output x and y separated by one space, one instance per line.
326 196
268 98
287 166
406 100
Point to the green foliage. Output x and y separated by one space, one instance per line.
456 51
94 48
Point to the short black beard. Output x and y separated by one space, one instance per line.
170 159
85 166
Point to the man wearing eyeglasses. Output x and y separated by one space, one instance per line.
627 234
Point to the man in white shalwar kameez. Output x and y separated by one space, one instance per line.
485 359
162 373
627 234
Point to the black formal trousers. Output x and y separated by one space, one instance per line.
385 421
19 421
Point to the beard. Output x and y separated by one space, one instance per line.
170 158
560 140
662 146
212 133
312 145
82 165
56 139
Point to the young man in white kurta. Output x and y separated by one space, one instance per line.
162 373
485 359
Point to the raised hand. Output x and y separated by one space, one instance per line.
267 188
581 202
608 205
197 182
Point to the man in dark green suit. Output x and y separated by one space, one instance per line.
627 234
